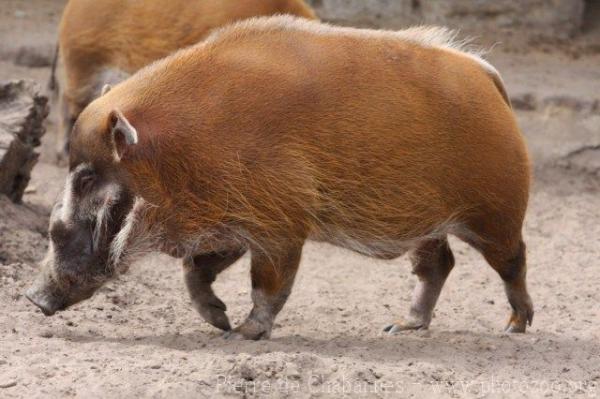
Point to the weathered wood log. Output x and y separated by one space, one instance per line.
22 113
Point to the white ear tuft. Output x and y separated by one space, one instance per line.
105 89
123 134
121 125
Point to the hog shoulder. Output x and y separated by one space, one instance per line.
280 127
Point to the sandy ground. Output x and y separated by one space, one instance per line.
139 336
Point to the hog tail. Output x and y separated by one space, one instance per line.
53 83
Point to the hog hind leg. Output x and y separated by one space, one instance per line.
511 265
432 262
502 246
200 272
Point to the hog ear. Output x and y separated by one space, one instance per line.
105 89
122 133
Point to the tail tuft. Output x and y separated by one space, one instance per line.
53 83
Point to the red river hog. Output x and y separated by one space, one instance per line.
274 131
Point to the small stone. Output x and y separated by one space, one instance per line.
524 102
293 373
155 366
8 384
46 334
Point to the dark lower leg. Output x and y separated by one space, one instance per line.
432 262
199 274
272 281
513 271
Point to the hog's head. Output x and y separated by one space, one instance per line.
85 223
83 226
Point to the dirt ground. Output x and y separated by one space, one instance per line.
140 337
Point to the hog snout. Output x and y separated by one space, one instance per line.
43 295
47 303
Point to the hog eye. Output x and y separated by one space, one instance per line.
84 181
59 232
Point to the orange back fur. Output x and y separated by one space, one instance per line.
279 131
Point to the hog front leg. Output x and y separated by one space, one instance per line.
272 281
200 272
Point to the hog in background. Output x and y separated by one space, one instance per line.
278 130
104 41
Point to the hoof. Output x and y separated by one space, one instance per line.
398 327
518 322
213 311
249 330
514 329
234 335
219 319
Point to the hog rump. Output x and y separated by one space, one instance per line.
278 130
104 42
